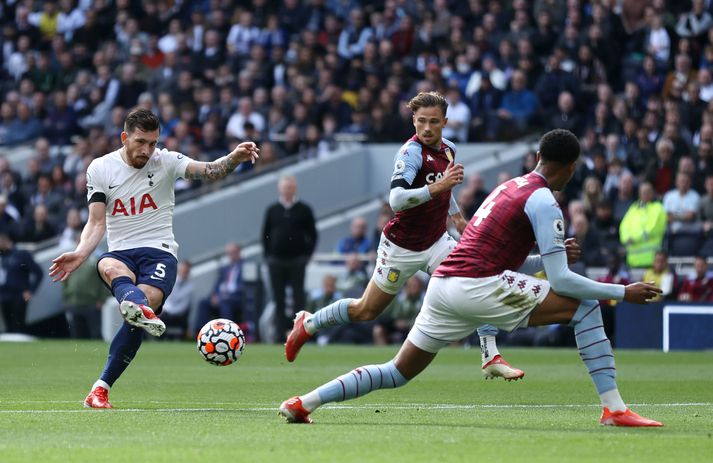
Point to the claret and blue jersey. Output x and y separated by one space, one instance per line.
417 228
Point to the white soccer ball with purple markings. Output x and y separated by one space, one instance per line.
221 342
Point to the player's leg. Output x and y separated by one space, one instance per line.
373 302
409 362
594 349
493 365
394 265
127 340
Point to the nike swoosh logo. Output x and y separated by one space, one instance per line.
113 186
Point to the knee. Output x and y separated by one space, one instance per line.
110 272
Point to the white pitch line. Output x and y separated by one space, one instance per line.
357 407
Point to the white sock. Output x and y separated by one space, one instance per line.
488 348
612 400
311 401
102 384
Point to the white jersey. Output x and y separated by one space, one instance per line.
139 202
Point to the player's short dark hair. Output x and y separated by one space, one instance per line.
428 100
559 145
143 119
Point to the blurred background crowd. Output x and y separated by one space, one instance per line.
632 78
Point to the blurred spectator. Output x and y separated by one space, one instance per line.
21 278
393 325
589 240
622 196
8 223
661 274
72 230
37 228
706 211
357 241
289 236
458 115
699 285
226 299
565 116
177 306
245 113
484 104
695 22
518 107
82 298
660 171
25 127
352 282
682 206
617 274
643 227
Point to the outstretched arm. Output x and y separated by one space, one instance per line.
92 233
221 167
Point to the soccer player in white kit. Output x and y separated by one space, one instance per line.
131 196
486 280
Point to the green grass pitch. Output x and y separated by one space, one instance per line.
171 406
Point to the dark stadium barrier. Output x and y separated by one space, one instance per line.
664 325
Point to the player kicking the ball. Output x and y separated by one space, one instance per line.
415 239
131 195
486 280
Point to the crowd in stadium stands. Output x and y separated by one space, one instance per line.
633 79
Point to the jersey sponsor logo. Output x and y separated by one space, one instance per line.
433 177
393 275
144 204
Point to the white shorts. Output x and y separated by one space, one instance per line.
454 307
395 265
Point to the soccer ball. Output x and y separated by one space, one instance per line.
221 342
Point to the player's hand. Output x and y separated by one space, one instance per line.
452 176
641 293
64 265
573 250
246 151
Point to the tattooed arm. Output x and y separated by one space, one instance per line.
221 167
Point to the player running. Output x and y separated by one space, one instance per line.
131 195
485 280
415 239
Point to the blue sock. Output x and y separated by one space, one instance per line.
334 314
594 347
356 383
121 352
124 289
